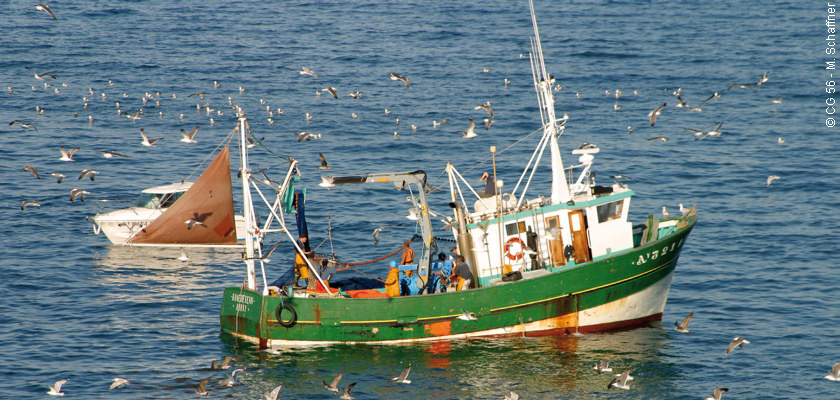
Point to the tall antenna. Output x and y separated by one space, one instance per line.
543 84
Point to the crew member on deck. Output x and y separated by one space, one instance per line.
392 282
407 255
463 273
301 270
489 185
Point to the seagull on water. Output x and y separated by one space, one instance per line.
146 141
183 257
683 327
118 383
487 107
602 366
717 393
29 203
67 155
662 138
396 77
89 173
32 170
333 386
188 137
620 381
307 71
512 396
274 394
403 376
55 389
653 114
202 386
736 342
772 178
323 162
834 375
470 132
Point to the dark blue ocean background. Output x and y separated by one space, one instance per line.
759 264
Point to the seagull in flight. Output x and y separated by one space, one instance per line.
202 386
346 395
467 316
146 141
188 137
653 114
323 162
111 154
27 203
274 394
183 257
736 342
78 193
307 71
378 230
683 327
24 124
32 170
67 155
717 393
58 176
741 85
198 219
763 79
333 386
772 178
331 91
486 106
230 381
44 7
118 383
396 77
403 376
308 136
225 363
470 132
89 173
55 389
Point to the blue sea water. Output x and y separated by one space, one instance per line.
759 263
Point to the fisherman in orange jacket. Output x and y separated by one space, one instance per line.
392 282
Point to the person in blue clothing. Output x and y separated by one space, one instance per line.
442 268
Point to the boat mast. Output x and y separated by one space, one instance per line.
544 88
248 206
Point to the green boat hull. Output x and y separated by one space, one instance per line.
621 290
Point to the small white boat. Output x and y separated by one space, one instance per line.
161 216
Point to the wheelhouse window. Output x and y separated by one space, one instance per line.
515 228
610 211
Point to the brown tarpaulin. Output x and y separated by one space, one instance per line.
210 196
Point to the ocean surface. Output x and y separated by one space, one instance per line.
759 264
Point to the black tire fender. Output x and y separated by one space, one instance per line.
279 314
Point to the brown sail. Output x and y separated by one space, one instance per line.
203 215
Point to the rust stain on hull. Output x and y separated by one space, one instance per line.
438 328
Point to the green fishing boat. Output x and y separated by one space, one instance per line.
539 265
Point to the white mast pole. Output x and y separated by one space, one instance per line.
248 206
544 83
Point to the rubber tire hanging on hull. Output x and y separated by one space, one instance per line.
279 313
